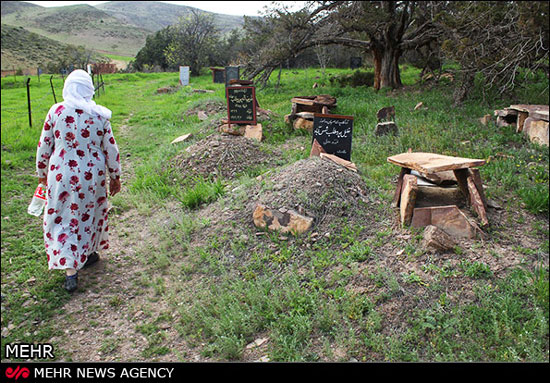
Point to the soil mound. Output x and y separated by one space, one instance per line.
209 107
316 188
224 156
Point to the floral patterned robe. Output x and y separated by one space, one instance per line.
75 151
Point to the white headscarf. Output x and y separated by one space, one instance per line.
78 92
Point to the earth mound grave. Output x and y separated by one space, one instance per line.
224 156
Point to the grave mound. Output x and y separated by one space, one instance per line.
316 188
223 156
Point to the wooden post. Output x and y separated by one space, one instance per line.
29 100
53 91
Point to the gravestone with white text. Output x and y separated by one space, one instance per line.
241 105
334 132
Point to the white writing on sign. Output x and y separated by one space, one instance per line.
241 104
334 135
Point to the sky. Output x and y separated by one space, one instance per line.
239 8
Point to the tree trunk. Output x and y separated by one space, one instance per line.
386 67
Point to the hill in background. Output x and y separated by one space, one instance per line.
154 15
115 28
22 49
78 25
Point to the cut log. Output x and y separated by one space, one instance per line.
408 198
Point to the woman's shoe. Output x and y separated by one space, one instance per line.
92 258
71 282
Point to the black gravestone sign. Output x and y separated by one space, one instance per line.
241 105
231 73
219 76
355 62
333 132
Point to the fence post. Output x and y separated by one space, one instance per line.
102 83
53 91
29 100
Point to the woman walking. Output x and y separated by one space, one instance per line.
75 153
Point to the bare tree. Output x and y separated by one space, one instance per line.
383 28
192 40
495 41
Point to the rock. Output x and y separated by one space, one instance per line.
182 138
257 343
384 128
234 129
202 115
164 90
485 119
446 177
202 91
536 130
254 132
302 123
436 239
448 218
340 161
316 149
289 221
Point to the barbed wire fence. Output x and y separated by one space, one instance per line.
16 119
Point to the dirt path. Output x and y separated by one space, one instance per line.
107 318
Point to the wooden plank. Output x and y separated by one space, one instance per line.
521 119
462 179
539 115
433 163
474 173
408 198
527 108
476 201
397 194
303 101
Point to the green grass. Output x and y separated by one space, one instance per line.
301 298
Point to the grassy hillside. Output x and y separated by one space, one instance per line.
24 49
80 25
186 281
154 15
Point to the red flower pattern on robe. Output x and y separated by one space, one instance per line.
76 219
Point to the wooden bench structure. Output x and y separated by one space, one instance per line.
465 171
